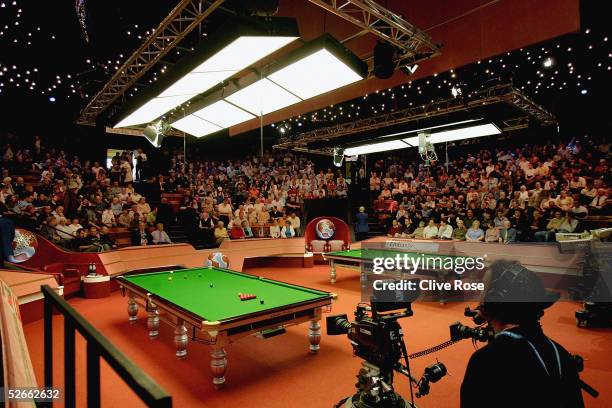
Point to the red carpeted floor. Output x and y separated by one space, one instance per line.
279 372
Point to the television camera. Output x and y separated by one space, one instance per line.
377 338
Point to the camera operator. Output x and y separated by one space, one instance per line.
520 366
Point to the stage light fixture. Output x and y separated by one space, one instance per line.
235 50
338 156
155 133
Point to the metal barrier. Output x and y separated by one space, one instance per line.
97 346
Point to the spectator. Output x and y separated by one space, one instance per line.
395 230
445 231
275 229
492 233
474 233
287 231
108 217
141 236
220 233
507 234
159 236
459 232
551 229
248 232
361 226
431 230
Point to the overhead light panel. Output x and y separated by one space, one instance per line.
315 74
320 66
223 114
237 47
376 147
195 126
263 97
453 135
442 136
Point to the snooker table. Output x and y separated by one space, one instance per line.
203 305
356 258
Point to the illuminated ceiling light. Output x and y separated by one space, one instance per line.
318 67
548 62
453 135
584 92
263 97
315 74
223 114
201 71
195 126
376 147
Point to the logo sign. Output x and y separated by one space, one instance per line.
24 245
325 229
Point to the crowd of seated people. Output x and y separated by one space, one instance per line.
527 193
74 202
253 197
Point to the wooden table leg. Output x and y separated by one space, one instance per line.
314 335
332 271
132 310
218 365
181 340
153 321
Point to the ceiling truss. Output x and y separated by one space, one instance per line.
412 43
185 17
503 93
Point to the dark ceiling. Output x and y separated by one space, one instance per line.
50 69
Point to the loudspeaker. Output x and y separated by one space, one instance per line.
384 55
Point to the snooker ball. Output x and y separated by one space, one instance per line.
211 285
169 277
185 277
261 302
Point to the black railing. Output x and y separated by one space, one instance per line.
97 346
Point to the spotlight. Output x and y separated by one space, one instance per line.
384 55
548 62
584 92
338 156
282 129
155 133
410 69
52 99
456 91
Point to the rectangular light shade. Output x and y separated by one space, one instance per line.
195 126
262 97
458 134
238 55
315 74
376 147
153 109
223 114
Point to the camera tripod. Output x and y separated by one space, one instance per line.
374 390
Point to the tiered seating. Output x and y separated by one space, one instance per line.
121 235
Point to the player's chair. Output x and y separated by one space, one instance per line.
337 245
318 246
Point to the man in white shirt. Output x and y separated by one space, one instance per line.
445 231
295 223
430 231
160 236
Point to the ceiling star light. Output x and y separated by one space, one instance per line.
200 73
